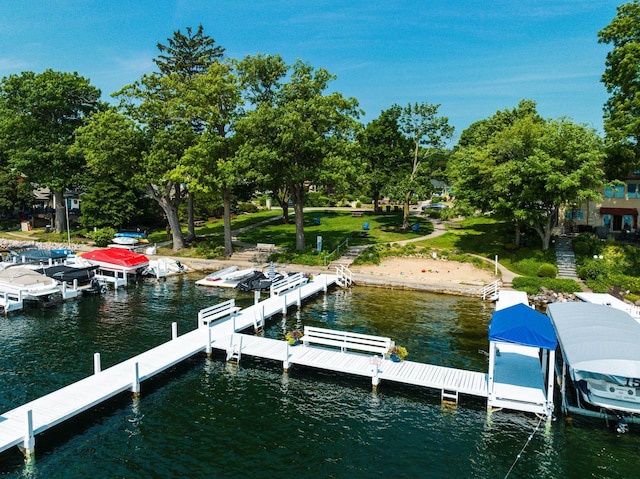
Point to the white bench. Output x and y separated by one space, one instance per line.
265 246
346 340
287 283
207 315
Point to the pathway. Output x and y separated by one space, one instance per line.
565 258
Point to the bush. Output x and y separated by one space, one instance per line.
594 269
102 237
247 207
532 285
586 244
371 255
547 270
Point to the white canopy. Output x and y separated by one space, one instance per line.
597 340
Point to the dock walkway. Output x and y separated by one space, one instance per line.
19 426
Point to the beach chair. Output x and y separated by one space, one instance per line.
316 221
365 227
415 228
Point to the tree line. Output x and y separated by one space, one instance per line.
209 129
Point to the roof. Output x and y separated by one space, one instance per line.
597 338
521 324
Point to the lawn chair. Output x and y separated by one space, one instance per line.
365 227
415 227
316 222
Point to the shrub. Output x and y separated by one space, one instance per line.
547 270
632 297
102 237
595 270
581 248
247 207
371 255
532 285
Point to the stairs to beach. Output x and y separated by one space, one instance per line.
347 258
566 259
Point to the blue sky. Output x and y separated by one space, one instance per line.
471 57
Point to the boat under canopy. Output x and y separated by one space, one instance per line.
68 274
25 281
600 348
117 259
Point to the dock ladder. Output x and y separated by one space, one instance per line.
344 276
449 396
491 291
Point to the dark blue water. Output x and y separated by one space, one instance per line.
208 419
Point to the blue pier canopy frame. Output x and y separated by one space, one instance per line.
521 324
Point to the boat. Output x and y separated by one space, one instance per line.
131 234
117 259
125 240
258 282
36 256
162 267
226 278
30 284
599 362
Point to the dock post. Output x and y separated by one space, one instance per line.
256 296
208 346
326 281
135 387
284 304
286 364
375 379
96 363
29 442
299 297
174 330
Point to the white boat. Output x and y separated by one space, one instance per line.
125 240
226 278
27 282
600 360
162 267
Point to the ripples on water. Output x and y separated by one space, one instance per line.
209 419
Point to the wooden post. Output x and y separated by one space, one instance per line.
96 363
174 330
135 387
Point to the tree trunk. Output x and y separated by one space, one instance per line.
405 212
226 201
171 212
191 228
298 207
61 211
517 234
376 201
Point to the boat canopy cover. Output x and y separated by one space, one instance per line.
40 254
521 324
117 256
597 339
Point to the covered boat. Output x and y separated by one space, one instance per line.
117 259
27 282
600 359
37 256
68 274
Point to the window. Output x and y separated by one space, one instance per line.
614 191
573 214
633 190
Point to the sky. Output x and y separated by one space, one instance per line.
471 57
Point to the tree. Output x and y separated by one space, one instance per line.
39 114
384 149
300 135
189 55
622 81
530 169
427 134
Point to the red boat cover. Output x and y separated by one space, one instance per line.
117 256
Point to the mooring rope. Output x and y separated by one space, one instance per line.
524 447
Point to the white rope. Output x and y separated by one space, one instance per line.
524 447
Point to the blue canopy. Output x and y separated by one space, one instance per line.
521 324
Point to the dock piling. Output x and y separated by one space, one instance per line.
174 330
96 363
208 345
135 387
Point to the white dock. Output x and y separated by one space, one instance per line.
19 426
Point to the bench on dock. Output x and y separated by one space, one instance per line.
208 315
346 340
265 246
287 283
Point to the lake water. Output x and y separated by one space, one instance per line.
209 419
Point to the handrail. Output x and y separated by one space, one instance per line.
336 252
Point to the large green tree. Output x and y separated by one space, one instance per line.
187 55
39 114
427 134
384 149
301 134
530 168
622 81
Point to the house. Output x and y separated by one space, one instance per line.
616 213
44 206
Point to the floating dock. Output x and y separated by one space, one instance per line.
218 328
